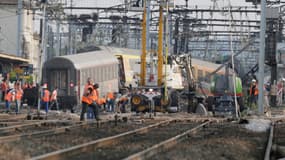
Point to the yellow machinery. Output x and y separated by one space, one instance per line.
151 97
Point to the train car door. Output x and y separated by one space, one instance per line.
59 78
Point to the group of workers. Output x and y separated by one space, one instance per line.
269 90
92 103
10 95
15 94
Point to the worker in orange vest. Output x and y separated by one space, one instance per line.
110 101
4 88
45 98
94 96
18 96
9 97
253 92
86 100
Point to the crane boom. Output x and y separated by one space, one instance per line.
160 48
144 52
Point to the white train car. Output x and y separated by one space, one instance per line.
69 73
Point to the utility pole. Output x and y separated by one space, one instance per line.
147 25
57 52
42 55
261 57
19 32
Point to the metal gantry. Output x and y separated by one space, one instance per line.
201 31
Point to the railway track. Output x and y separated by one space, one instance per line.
12 118
126 144
277 150
35 128
42 142
176 138
223 141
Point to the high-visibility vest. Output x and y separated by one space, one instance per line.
9 96
255 90
110 95
46 96
4 86
94 96
19 94
86 88
86 98
101 101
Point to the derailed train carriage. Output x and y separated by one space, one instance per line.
69 73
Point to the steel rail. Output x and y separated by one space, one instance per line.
13 119
269 143
12 128
47 132
60 154
147 153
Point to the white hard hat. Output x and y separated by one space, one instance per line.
253 80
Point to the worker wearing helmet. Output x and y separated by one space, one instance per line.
110 101
253 92
85 100
94 96
45 98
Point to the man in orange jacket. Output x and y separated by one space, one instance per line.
253 92
45 98
94 96
110 101
9 97
85 100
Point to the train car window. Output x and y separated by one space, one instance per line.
59 78
98 75
207 79
200 74
105 72
114 71
108 75
194 72
102 73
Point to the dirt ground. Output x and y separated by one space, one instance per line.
219 142
278 147
28 147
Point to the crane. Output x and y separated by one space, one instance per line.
152 91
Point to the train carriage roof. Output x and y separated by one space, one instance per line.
121 51
210 66
82 60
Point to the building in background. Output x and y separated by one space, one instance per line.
29 46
